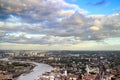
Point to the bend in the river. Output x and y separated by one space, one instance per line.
36 72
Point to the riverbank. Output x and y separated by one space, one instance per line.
36 72
12 70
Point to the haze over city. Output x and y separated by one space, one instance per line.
59 25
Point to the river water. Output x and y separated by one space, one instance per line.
36 73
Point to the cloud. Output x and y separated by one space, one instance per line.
117 10
37 10
71 30
100 3
94 28
53 22
23 38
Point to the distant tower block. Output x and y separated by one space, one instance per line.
87 69
65 73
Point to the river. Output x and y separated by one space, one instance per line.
36 73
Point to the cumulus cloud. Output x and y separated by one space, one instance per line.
53 22
24 38
37 10
94 28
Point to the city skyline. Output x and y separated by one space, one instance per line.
59 25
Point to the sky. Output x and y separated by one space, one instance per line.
59 25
